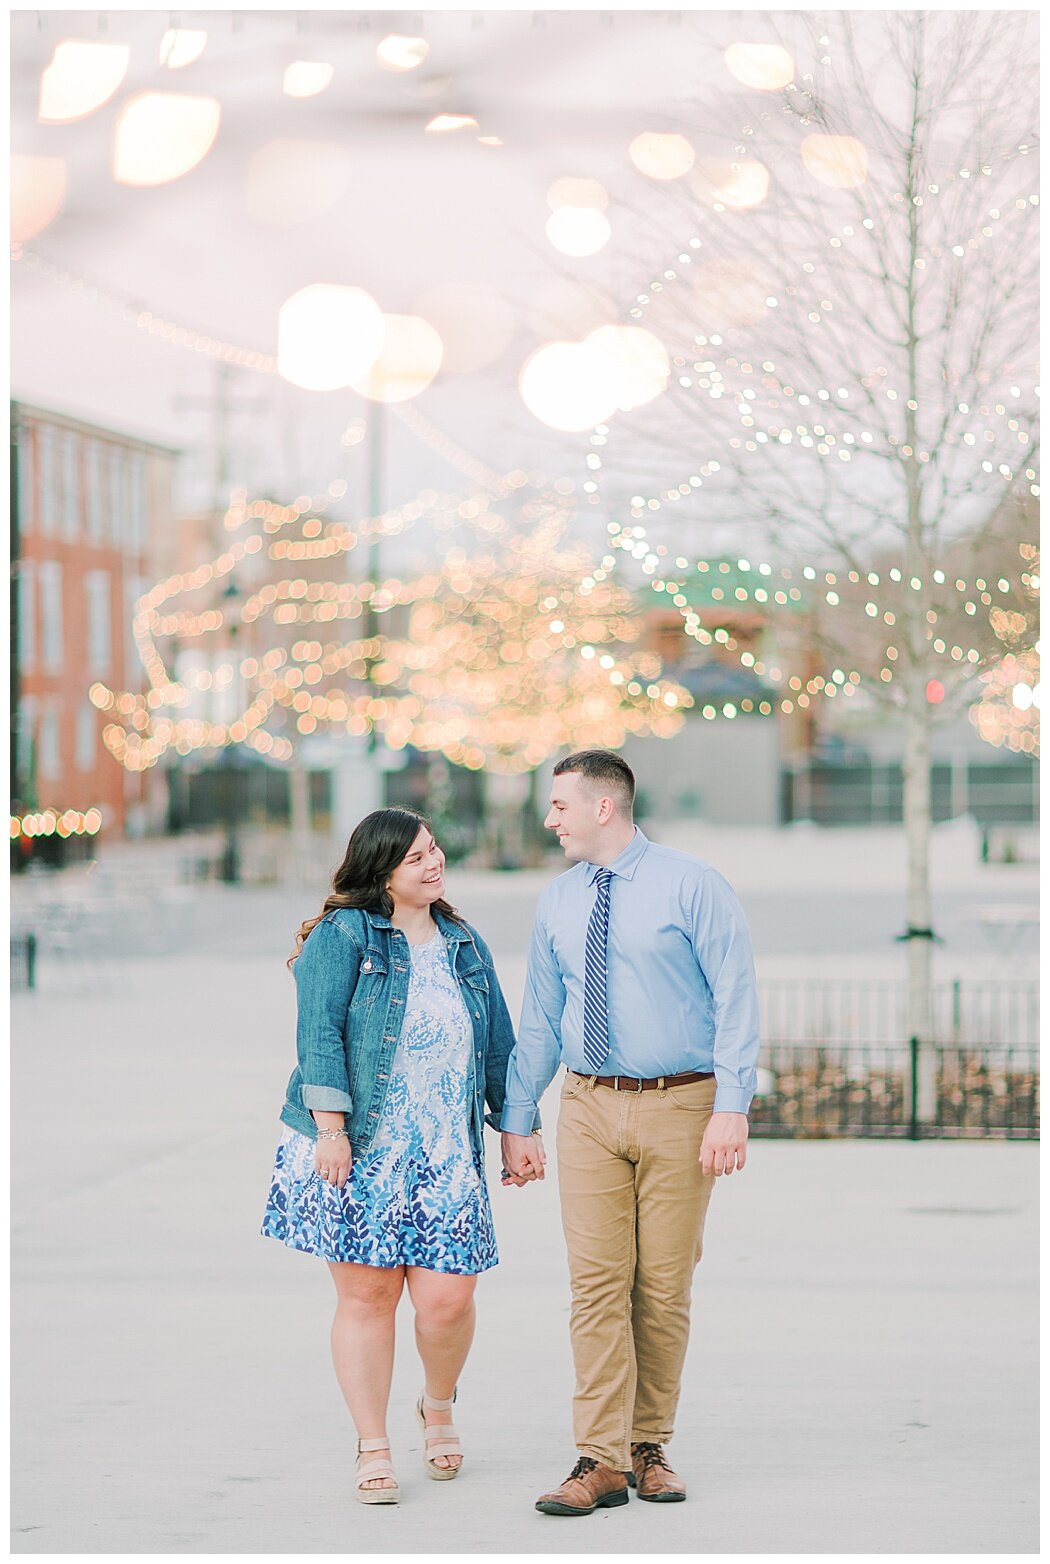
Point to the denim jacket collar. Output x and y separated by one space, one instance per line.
454 932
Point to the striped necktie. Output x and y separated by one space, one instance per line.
595 1001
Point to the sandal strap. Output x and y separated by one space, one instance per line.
440 1430
373 1444
438 1406
373 1470
447 1447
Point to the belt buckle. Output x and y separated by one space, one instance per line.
636 1087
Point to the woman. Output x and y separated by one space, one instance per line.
402 1034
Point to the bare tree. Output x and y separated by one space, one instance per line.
853 349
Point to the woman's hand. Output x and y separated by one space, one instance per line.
333 1158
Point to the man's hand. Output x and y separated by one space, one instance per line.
523 1158
724 1143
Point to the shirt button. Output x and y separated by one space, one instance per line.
479 1055
477 1015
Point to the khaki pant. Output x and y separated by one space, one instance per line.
633 1204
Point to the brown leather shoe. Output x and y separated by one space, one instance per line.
652 1476
589 1486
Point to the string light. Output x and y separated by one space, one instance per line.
57 822
500 664
176 334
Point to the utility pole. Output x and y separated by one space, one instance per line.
222 405
357 782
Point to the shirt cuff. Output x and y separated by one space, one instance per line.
732 1099
520 1121
327 1099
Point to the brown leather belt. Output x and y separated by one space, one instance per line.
627 1083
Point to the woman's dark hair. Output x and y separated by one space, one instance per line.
379 843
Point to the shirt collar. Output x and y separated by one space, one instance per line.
626 862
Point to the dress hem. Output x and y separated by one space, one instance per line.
443 1270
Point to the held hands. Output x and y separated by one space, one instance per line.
523 1158
724 1143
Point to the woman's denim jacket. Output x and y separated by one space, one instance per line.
351 981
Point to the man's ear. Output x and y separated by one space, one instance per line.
606 809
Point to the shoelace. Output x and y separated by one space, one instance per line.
651 1454
585 1464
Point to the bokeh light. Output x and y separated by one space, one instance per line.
80 79
443 124
408 361
838 161
400 52
569 386
181 46
765 66
641 361
578 230
328 336
306 78
160 136
570 191
737 185
38 191
662 156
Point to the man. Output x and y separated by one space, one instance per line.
641 979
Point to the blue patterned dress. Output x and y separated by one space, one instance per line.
415 1197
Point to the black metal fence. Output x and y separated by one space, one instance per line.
965 1012
822 1091
995 792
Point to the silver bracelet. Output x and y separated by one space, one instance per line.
330 1134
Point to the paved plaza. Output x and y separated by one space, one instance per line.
862 1374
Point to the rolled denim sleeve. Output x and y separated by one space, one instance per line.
722 946
325 978
537 1053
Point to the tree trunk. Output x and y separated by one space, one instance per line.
914 638
919 911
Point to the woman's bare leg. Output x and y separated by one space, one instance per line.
363 1346
445 1317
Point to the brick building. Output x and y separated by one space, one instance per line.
89 507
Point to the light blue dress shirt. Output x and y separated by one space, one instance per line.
680 980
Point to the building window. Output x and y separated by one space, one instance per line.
26 615
50 487
51 614
71 493
87 737
95 494
138 511
27 506
99 645
117 494
25 741
50 746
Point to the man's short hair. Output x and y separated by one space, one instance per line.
605 768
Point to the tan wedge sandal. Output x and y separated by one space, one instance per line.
373 1470
447 1440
